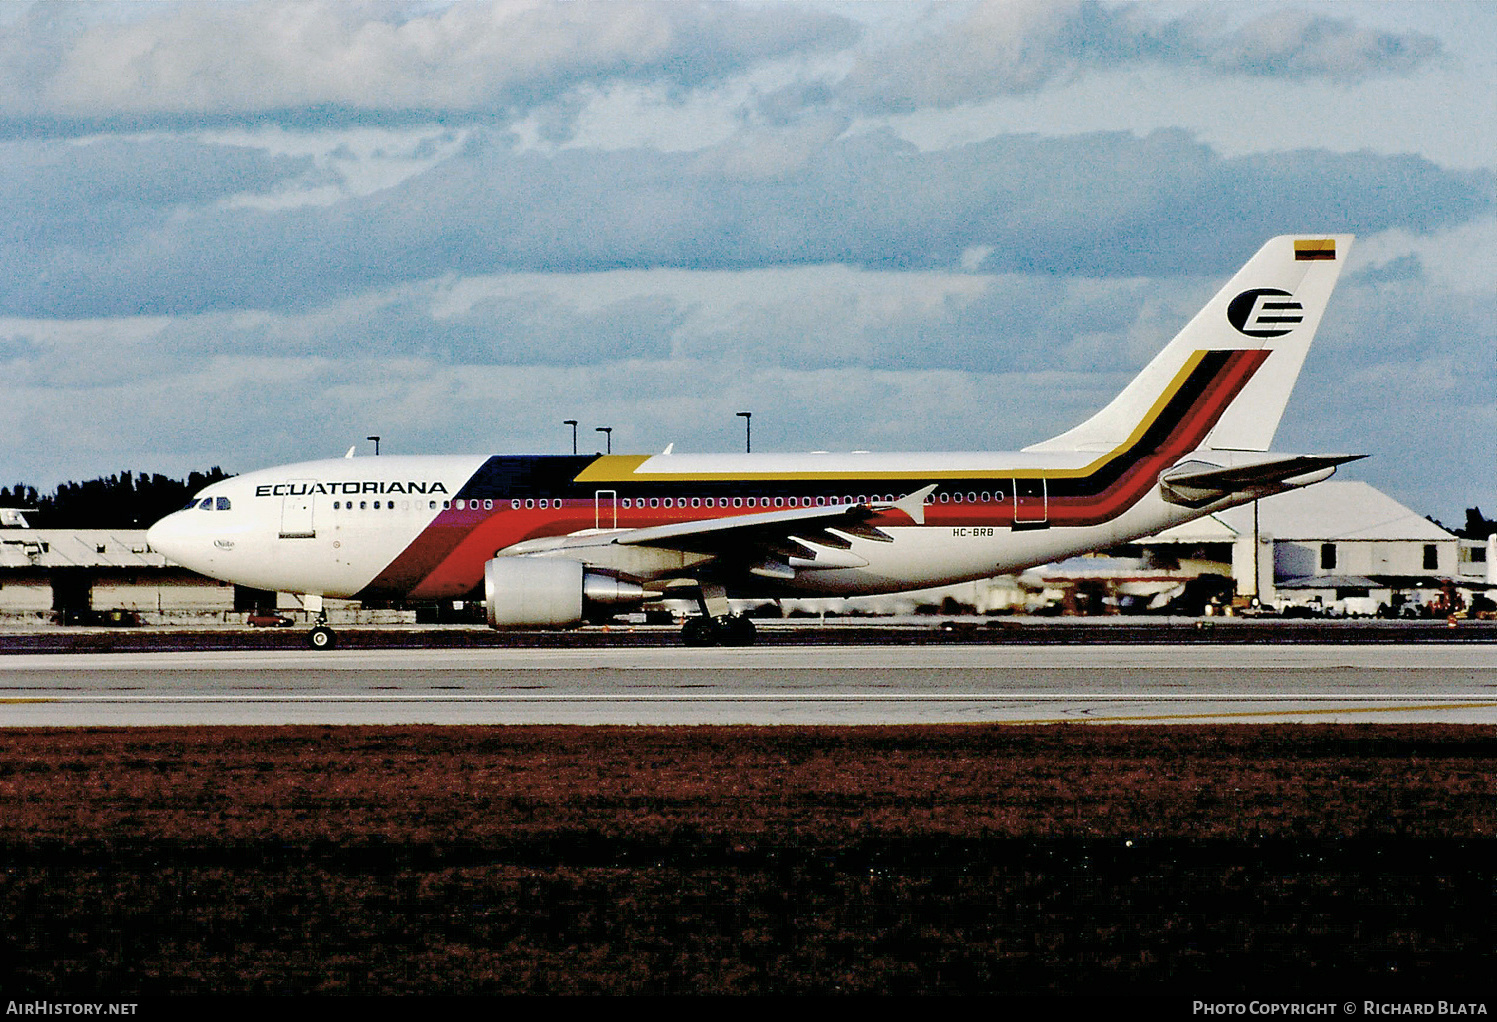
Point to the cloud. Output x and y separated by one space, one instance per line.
339 62
1014 48
826 356
1103 205
64 197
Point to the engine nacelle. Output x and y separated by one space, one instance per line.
547 592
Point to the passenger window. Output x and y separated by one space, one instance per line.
488 505
363 505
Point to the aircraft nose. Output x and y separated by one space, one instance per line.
165 538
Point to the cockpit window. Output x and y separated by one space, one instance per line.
206 504
222 503
190 504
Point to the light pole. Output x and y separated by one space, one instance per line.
748 432
608 432
573 424
376 444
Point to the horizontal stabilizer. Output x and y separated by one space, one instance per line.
1197 483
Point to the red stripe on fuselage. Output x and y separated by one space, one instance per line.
1189 433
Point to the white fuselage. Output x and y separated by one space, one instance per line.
336 527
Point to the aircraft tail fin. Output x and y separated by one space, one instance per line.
1261 323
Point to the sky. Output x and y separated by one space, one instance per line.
251 233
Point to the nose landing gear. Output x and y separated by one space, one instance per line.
321 636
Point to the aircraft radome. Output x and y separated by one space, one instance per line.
551 541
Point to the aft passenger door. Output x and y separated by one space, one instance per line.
1031 503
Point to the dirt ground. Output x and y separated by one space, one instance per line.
1229 860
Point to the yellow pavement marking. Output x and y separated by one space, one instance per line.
1247 713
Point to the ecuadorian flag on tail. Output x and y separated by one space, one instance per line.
1314 248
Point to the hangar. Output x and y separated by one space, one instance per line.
1336 547
71 573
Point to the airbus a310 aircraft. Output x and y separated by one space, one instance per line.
549 541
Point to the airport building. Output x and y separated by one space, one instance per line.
1336 548
72 573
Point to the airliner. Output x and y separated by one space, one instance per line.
553 541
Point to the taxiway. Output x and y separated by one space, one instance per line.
846 684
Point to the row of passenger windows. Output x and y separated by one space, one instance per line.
388 505
697 502
222 503
972 497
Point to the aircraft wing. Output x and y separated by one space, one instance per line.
1196 483
774 544
772 524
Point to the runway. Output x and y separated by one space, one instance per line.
843 684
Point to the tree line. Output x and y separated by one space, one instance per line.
126 500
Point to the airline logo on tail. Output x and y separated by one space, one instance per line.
1265 312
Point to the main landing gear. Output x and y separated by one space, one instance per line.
731 630
718 625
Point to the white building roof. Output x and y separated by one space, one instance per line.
1202 530
77 548
1324 512
1334 511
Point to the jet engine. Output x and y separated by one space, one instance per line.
542 592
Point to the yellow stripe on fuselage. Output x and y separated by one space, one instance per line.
614 468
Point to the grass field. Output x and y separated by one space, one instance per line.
966 859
